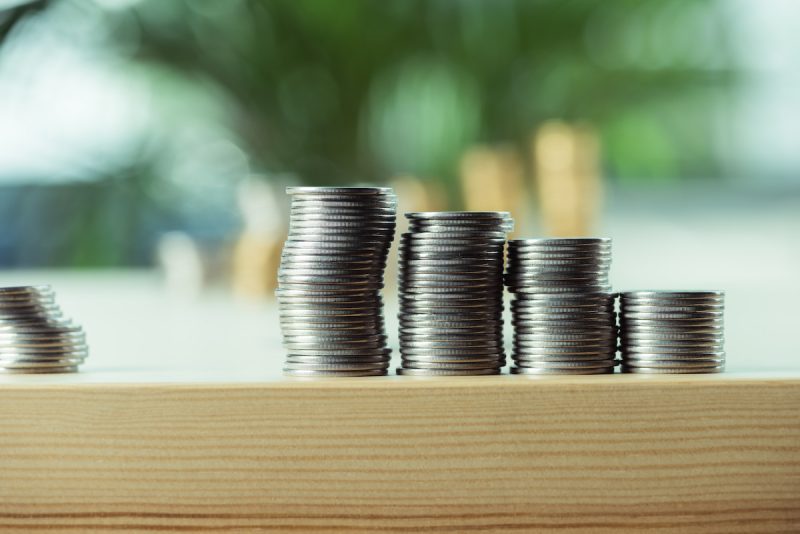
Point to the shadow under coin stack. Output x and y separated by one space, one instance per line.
563 311
34 336
451 293
670 332
330 278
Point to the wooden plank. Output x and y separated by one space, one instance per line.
580 454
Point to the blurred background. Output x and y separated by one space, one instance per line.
145 146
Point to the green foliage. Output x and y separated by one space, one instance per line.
339 90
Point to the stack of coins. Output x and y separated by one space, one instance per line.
672 331
563 312
34 335
330 277
451 293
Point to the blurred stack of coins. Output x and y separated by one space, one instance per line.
330 277
672 331
34 335
451 293
563 311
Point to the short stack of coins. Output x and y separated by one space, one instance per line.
563 309
451 293
330 279
35 337
669 332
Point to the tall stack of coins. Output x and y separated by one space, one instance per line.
35 337
451 293
672 331
330 277
563 311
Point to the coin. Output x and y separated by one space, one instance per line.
35 337
330 277
672 331
561 371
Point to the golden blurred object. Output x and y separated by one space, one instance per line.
568 178
255 265
493 179
257 254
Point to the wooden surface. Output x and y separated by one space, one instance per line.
582 454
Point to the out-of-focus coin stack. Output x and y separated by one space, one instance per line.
451 293
670 332
563 311
330 277
34 335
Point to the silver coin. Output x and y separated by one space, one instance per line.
334 199
564 350
306 373
352 245
705 294
369 358
337 190
369 228
602 297
320 342
451 340
372 325
688 344
333 300
636 322
450 278
670 359
599 309
561 241
451 358
493 352
43 356
326 289
570 338
474 326
40 364
666 337
468 344
450 300
445 366
556 290
43 348
459 215
534 255
672 370
447 372
353 320
455 263
674 355
572 371
379 214
38 330
363 366
569 364
553 332
525 358
41 334
650 308
35 370
343 346
456 326
343 352
25 290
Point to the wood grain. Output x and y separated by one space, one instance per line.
583 454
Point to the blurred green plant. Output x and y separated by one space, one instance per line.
338 91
